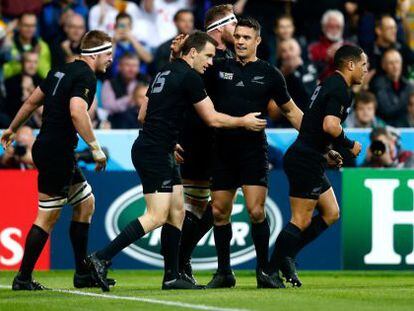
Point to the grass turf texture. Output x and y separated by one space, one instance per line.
321 291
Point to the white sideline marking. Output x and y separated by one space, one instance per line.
141 299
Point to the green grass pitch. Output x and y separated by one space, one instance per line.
140 290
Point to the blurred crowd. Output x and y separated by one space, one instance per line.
300 37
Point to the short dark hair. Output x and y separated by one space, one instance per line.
378 131
182 11
122 15
347 53
249 22
197 40
128 55
217 12
94 38
365 97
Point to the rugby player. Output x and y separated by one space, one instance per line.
177 87
196 141
304 161
66 94
240 86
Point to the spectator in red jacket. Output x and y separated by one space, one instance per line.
322 52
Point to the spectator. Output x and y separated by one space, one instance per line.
386 151
284 30
6 43
26 40
117 94
386 31
363 113
56 14
102 16
391 89
408 120
19 155
139 96
162 17
322 52
125 42
66 49
300 76
184 22
19 87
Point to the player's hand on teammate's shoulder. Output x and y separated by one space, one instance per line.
252 123
7 138
177 44
334 159
178 151
356 150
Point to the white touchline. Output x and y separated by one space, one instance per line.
141 299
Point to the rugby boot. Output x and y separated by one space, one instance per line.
87 280
27 285
288 269
266 281
222 280
99 270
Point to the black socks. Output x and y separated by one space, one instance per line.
132 232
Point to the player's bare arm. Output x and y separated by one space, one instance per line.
332 126
83 125
34 101
142 112
213 118
289 110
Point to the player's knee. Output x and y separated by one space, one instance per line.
47 220
158 218
221 212
332 217
257 214
302 222
83 211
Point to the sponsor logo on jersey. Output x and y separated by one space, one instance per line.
131 204
226 75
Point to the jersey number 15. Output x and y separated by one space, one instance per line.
159 82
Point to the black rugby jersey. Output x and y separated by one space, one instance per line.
75 79
241 89
174 89
332 97
192 120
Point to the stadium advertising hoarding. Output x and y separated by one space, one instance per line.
18 208
378 219
119 199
